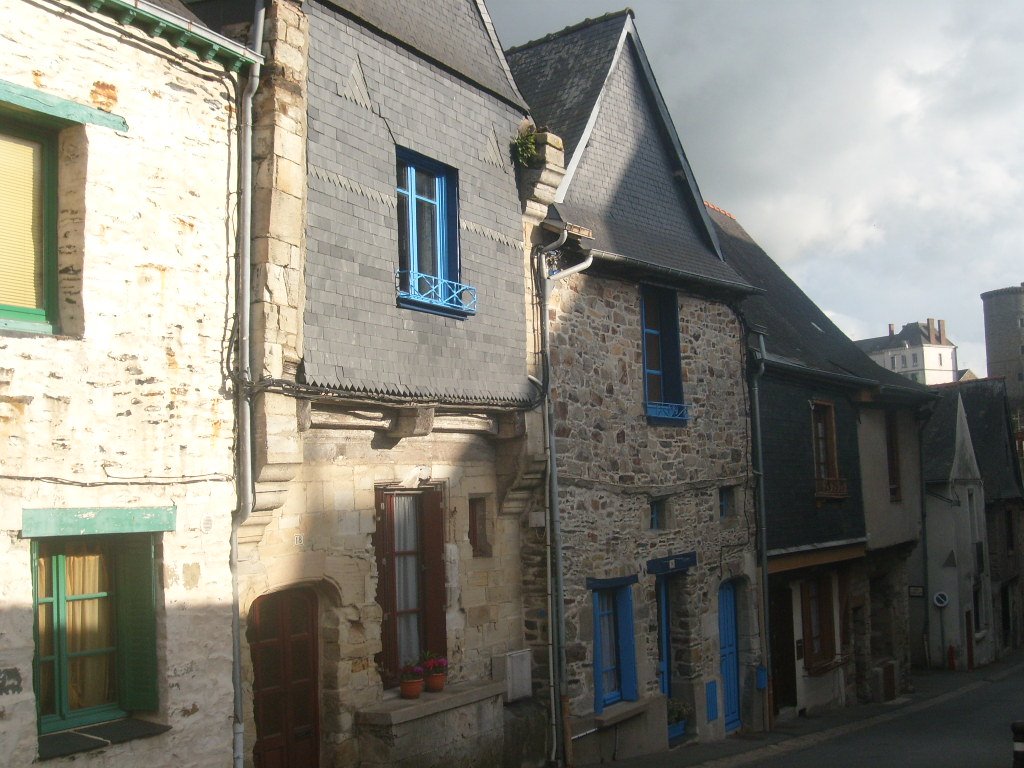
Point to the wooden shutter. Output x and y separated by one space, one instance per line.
383 541
136 621
22 236
435 636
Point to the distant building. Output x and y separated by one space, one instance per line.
920 351
1004 347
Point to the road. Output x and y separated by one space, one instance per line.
964 728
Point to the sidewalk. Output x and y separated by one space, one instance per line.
930 688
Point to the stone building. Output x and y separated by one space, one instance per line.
841 498
116 426
988 419
653 494
954 614
1004 350
920 351
390 390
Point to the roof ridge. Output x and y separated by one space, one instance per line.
571 29
713 207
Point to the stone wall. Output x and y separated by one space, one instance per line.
612 463
129 404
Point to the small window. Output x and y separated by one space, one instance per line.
892 362
28 254
892 454
95 629
614 651
428 238
913 358
726 501
479 527
903 361
827 481
409 545
940 359
1020 322
913 377
658 514
663 378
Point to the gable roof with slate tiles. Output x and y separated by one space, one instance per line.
627 177
457 34
988 419
799 335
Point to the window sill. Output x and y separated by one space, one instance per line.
11 327
824 667
395 711
434 309
99 736
620 712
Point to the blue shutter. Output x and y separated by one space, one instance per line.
627 646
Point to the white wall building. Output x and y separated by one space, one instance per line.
920 351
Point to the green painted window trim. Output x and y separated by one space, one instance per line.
86 521
36 102
39 319
134 595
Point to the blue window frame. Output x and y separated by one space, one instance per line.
659 514
663 377
726 500
428 238
614 649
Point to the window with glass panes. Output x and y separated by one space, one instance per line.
428 238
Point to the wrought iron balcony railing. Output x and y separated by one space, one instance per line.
437 292
678 412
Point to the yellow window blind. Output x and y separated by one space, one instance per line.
22 240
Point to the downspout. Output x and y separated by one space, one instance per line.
562 744
762 528
924 551
243 382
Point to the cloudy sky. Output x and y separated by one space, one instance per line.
875 149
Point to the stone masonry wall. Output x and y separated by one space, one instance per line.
322 536
611 464
129 404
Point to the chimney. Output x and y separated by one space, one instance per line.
942 332
892 329
931 330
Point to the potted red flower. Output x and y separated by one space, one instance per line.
410 681
435 670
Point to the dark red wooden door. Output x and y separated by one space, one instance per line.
282 638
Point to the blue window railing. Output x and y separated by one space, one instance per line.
436 292
675 412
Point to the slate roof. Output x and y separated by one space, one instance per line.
561 75
628 179
798 334
939 437
912 335
457 34
988 418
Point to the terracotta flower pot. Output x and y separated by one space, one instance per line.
435 682
411 689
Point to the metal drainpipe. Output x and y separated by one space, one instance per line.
243 356
556 520
924 551
561 746
762 528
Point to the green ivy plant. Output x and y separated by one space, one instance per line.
524 149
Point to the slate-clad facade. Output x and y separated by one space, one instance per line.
842 507
367 96
655 486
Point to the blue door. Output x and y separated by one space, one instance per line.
727 638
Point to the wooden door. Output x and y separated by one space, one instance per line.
282 638
728 640
783 649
